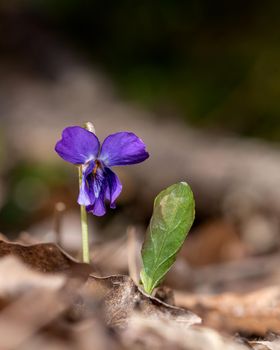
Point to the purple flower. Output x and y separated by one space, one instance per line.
99 183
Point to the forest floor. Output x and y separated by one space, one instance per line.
51 301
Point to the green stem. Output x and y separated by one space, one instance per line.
84 226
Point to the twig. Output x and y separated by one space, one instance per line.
132 254
58 214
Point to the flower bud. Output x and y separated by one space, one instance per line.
90 127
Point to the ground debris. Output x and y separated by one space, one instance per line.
48 300
255 312
161 334
265 345
15 278
122 298
45 257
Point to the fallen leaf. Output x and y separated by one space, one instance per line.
159 334
30 312
122 298
45 257
16 278
29 301
251 313
265 345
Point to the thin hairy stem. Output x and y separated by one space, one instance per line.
84 226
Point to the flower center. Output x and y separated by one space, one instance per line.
96 167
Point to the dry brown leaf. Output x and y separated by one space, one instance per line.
45 257
93 334
29 300
266 345
17 278
122 298
24 317
38 301
159 334
254 313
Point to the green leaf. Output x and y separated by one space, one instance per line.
173 216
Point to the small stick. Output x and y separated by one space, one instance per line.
59 210
132 254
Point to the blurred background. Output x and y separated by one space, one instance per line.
198 81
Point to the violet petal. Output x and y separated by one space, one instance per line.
86 196
98 186
114 187
123 148
98 208
77 145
